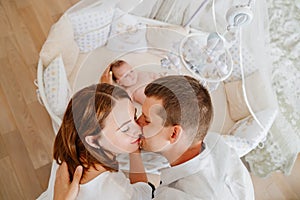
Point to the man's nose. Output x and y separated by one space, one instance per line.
141 121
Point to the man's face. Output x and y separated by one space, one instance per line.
156 135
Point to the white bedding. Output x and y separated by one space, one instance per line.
283 143
280 151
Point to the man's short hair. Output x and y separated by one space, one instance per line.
186 102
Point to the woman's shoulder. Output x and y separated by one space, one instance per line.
115 185
117 174
107 184
108 176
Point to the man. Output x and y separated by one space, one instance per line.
176 116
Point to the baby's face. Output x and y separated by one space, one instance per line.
125 75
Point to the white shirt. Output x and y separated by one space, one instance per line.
107 185
216 173
114 186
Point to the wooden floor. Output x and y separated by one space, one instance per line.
26 135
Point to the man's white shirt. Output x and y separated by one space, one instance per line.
216 173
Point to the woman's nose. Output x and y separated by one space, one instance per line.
137 130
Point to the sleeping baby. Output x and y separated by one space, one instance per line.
132 80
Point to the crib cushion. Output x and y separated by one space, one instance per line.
140 8
91 26
60 40
56 86
249 129
167 37
127 33
249 65
241 145
222 121
235 98
259 93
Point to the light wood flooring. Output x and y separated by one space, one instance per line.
26 135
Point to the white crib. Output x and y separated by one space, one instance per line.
89 36
93 33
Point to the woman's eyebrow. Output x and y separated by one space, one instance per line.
124 124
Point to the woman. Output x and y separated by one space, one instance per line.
99 123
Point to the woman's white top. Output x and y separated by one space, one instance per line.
107 185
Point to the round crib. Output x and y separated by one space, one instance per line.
147 34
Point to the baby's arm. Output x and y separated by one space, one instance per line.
148 77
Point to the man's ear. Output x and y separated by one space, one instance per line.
176 133
92 140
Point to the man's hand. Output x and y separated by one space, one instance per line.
63 188
107 76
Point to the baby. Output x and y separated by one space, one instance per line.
132 80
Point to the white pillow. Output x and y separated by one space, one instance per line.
240 145
56 86
173 11
167 37
139 8
91 26
127 33
259 93
237 106
60 40
249 65
250 130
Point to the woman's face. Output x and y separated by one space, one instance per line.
121 132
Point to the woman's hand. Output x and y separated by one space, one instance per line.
107 76
63 188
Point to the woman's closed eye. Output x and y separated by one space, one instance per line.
124 129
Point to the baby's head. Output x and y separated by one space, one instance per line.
123 73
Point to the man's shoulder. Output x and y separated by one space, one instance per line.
213 139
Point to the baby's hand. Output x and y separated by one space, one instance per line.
106 76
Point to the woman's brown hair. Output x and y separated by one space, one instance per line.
85 115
